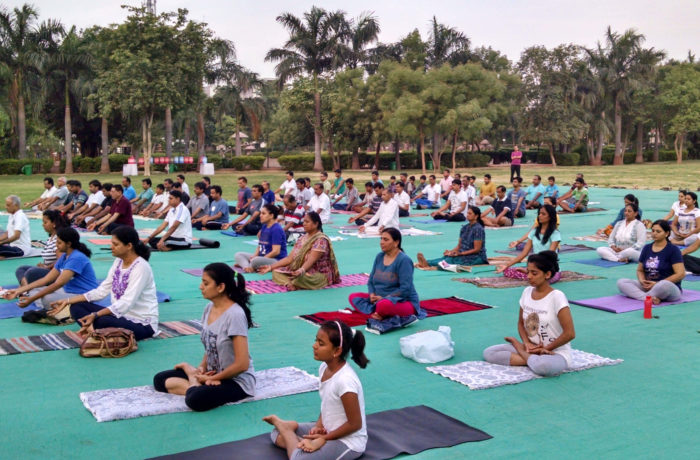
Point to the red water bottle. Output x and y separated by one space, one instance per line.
647 307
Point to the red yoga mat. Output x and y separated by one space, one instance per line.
433 307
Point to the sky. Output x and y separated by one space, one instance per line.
506 25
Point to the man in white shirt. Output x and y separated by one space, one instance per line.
16 241
158 203
49 190
94 200
402 199
455 209
446 184
179 224
183 184
288 187
58 197
429 197
470 190
320 203
386 216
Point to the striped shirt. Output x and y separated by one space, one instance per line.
49 251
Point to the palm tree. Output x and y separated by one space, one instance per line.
361 33
22 46
315 46
623 65
446 45
66 64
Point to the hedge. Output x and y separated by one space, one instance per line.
13 166
409 160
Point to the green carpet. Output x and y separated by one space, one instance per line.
646 407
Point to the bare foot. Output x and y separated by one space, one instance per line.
291 287
422 262
519 347
376 316
655 300
281 425
624 260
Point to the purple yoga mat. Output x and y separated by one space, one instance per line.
621 304
270 287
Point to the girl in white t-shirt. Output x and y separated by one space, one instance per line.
545 325
686 224
677 206
340 431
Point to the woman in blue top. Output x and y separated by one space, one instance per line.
544 237
629 199
660 269
71 274
471 246
272 244
390 286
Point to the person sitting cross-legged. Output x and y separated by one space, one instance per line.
272 242
455 207
179 226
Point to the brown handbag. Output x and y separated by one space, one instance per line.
109 342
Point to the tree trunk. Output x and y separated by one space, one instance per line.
436 151
454 150
67 133
422 149
639 158
239 150
376 155
655 158
144 148
188 134
318 162
200 133
678 146
551 155
104 134
168 132
355 159
598 160
590 150
397 154
21 127
617 160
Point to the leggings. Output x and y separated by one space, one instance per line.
10 251
687 241
78 310
243 260
692 264
514 273
545 365
664 290
459 217
250 229
385 307
334 449
607 253
203 397
30 273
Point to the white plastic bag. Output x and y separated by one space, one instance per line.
428 346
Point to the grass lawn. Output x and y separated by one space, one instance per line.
651 176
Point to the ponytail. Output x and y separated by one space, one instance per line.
58 219
71 236
353 341
129 235
235 286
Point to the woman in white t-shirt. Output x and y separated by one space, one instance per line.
686 224
677 206
545 325
340 431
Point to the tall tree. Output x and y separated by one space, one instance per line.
680 95
362 32
446 45
623 65
23 45
314 46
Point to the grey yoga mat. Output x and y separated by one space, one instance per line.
428 429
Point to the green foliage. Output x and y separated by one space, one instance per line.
243 163
12 166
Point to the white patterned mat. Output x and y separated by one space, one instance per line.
374 232
479 375
126 403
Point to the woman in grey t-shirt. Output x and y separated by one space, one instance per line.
226 372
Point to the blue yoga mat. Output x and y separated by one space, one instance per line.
11 310
230 233
599 263
692 277
427 221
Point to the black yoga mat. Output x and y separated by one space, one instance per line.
401 431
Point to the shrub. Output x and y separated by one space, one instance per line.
297 162
247 162
11 166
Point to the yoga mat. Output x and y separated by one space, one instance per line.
499 282
143 401
621 304
427 221
505 228
33 252
480 375
199 271
269 287
595 237
409 430
599 263
433 307
563 249
11 310
70 339
100 241
230 233
691 277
